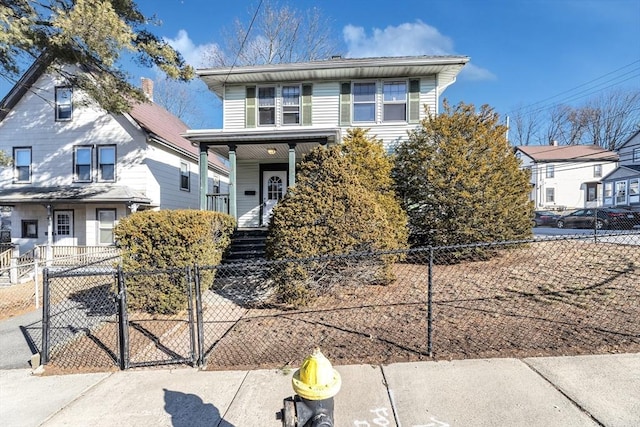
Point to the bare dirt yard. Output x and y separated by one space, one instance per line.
542 299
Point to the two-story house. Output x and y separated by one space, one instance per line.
274 114
622 185
567 176
77 169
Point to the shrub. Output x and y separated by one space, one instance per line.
328 212
164 240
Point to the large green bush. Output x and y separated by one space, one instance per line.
328 212
169 239
460 181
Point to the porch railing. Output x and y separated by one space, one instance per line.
77 255
218 202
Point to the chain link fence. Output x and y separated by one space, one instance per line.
559 296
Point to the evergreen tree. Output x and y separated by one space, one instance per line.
460 181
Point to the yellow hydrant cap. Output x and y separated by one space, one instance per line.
316 379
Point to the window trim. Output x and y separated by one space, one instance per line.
597 171
354 102
636 155
185 172
297 106
16 174
100 228
99 149
550 171
550 191
59 105
395 102
260 107
25 228
76 177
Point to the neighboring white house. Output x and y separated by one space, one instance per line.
274 114
567 176
78 169
622 186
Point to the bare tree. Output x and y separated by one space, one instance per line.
278 34
613 117
179 98
607 121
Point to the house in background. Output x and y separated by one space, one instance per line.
622 185
567 176
275 114
78 169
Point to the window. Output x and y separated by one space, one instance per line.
621 192
634 189
29 228
106 222
550 195
608 189
395 101
550 171
291 105
592 192
636 155
364 102
64 105
185 183
597 171
107 163
267 106
22 164
82 163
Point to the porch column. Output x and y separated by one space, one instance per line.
203 166
49 254
232 181
292 165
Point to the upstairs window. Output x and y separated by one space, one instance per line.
107 163
597 171
266 106
22 164
64 104
636 155
394 101
551 171
82 163
184 176
291 105
364 102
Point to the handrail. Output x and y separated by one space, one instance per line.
5 259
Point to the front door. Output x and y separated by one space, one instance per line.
63 227
274 187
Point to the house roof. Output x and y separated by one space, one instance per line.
633 135
95 193
168 129
567 153
332 69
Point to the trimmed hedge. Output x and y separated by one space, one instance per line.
169 239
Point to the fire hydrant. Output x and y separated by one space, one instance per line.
315 384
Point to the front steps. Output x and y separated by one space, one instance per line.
246 244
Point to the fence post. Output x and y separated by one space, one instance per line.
123 321
192 332
199 316
430 304
46 313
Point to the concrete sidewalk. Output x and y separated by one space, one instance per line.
601 390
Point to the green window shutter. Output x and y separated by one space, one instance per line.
250 110
414 101
345 104
307 91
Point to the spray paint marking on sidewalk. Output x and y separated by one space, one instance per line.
381 418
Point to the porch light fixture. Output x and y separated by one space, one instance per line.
271 151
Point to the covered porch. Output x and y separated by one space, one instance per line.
262 167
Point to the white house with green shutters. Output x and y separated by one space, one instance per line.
275 114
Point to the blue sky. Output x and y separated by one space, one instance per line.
523 52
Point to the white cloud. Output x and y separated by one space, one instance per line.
406 39
194 55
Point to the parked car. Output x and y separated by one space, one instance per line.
601 218
547 218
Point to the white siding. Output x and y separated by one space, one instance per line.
248 207
234 108
325 104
